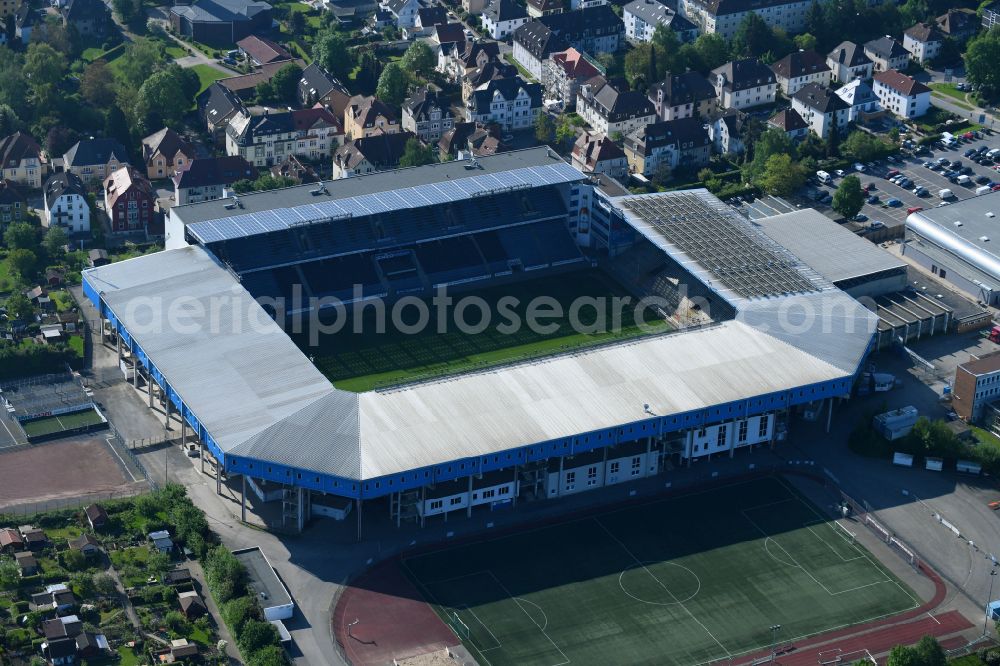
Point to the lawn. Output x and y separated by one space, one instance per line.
357 358
175 51
6 279
681 581
948 89
128 658
207 75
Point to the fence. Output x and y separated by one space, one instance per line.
26 509
895 544
121 446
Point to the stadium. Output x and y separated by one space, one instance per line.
730 333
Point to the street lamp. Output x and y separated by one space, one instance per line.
775 628
989 598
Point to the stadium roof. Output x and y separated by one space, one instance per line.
383 181
836 253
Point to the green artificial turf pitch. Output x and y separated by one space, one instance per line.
361 362
52 424
681 581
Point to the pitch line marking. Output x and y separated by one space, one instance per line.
488 630
503 587
540 610
639 562
117 455
676 601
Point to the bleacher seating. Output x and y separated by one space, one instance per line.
337 277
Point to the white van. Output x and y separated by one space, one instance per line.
984 189
993 153
963 180
824 177
946 194
948 140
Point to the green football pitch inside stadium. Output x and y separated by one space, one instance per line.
53 424
361 362
684 581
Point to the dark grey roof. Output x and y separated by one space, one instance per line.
800 63
92 152
650 11
615 105
62 183
10 193
423 102
317 83
687 88
886 48
508 89
538 39
212 171
743 74
221 11
788 120
722 7
849 54
429 16
682 131
820 98
925 32
570 27
505 10
218 102
16 147
85 10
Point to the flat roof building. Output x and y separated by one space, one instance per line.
959 244
271 592
977 384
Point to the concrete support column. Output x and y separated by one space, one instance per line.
649 450
359 503
184 431
300 508
166 411
732 436
201 453
423 498
514 489
243 499
604 466
149 385
468 507
218 479
135 371
399 508
689 446
559 478
829 415
118 346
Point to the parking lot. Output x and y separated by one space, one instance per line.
912 167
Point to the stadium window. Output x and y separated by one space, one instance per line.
720 436
615 467
701 432
461 466
570 477
317 480
456 500
743 431
436 504
298 475
762 428
288 472
592 475
636 465
503 490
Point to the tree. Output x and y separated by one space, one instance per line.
782 176
73 560
927 652
805 41
21 235
330 52
545 128
22 262
392 84
416 154
168 94
104 584
770 142
18 306
97 85
297 23
10 575
638 62
55 239
256 635
10 122
272 655
140 60
668 52
263 183
237 612
753 37
43 65
848 199
864 147
283 87
712 50
981 57
565 130
419 59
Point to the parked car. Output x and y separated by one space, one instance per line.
956 164
893 203
877 224
914 209
969 153
873 199
920 191
860 217
982 180
858 166
839 173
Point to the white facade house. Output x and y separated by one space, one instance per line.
403 11
743 84
609 110
65 201
821 108
502 18
923 41
860 97
642 17
886 53
904 96
800 68
848 62
511 103
725 16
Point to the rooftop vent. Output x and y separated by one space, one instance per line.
957 223
991 214
984 239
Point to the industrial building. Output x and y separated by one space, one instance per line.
760 335
957 243
272 594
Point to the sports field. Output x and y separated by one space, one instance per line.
362 361
682 581
53 424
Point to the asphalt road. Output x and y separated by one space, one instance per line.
920 175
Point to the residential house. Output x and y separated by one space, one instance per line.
540 8
457 61
220 23
886 53
474 7
294 169
447 33
799 68
427 18
60 652
861 99
62 627
610 110
86 544
129 201
217 105
724 17
182 648
318 86
191 604
266 140
848 62
642 17
97 258
594 153
245 85
991 15
923 41
96 516
901 94
743 84
959 23
683 96
403 11
55 597
166 152
592 30
13 203
664 146
65 203
26 563
492 70
206 179
562 74
427 115
511 103
10 540
502 18
21 160
368 154
318 132
725 129
162 541
471 138
365 116
9 8
94 159
88 18
25 22
261 51
822 109
92 646
177 577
